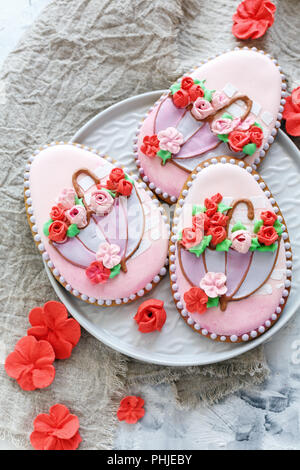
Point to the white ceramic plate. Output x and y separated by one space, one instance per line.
112 132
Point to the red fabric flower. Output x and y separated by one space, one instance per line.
151 316
238 139
181 98
291 113
58 231
267 235
218 234
186 83
201 221
131 409
150 145
211 207
51 323
195 92
97 273
124 187
57 430
195 300
253 18
268 217
219 219
31 363
256 135
57 213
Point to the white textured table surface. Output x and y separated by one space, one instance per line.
266 417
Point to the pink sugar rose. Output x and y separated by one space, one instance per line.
101 202
77 215
67 198
201 108
241 241
191 237
170 139
219 99
224 125
108 254
213 284
246 124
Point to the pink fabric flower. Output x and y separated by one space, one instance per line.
67 198
224 125
213 284
77 215
170 139
241 241
101 202
246 124
219 99
108 254
201 108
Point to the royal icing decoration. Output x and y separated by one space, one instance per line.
151 316
212 111
291 113
229 237
94 225
253 18
131 409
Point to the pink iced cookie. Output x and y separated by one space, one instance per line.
230 105
230 256
95 226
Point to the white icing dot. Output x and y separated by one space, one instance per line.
176 296
287 245
189 184
30 210
213 336
29 201
262 153
190 321
156 279
261 329
172 268
206 164
223 338
249 169
68 287
158 191
118 301
288 273
267 193
275 209
204 332
45 255
62 279
125 300
285 292
140 293
173 277
26 176
214 161
100 301
37 238
281 301
32 219
223 160
41 247
268 323
278 310
266 146
172 258
108 302
270 140
199 168
197 327
84 297
288 254
179 305
27 193
165 195
245 337
241 164
163 271
34 228
277 124
56 272
172 248
146 179
151 185
274 316
233 338
149 286
262 185
173 199
50 264
194 176
174 287
232 161
284 236
184 193
132 296
289 264
253 334
75 292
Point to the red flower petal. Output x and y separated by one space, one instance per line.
70 331
58 413
62 348
44 423
37 440
71 444
55 313
36 316
292 124
26 383
42 378
131 409
15 365
68 428
253 18
39 332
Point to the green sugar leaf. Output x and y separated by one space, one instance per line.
115 271
164 155
257 125
254 244
179 236
238 226
224 245
272 247
257 226
175 87
78 202
208 94
278 227
46 227
72 231
249 149
198 249
129 179
223 207
212 302
223 137
197 209
227 116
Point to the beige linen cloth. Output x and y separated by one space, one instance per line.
80 57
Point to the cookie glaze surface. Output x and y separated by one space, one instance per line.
245 86
230 256
98 242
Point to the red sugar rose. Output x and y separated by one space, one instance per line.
58 231
97 273
111 185
191 237
201 221
218 234
211 207
181 98
268 217
31 363
195 92
186 83
51 323
253 18
195 300
124 187
57 213
57 430
291 113
218 219
217 198
256 135
117 174
150 145
151 316
267 235
238 139
131 409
